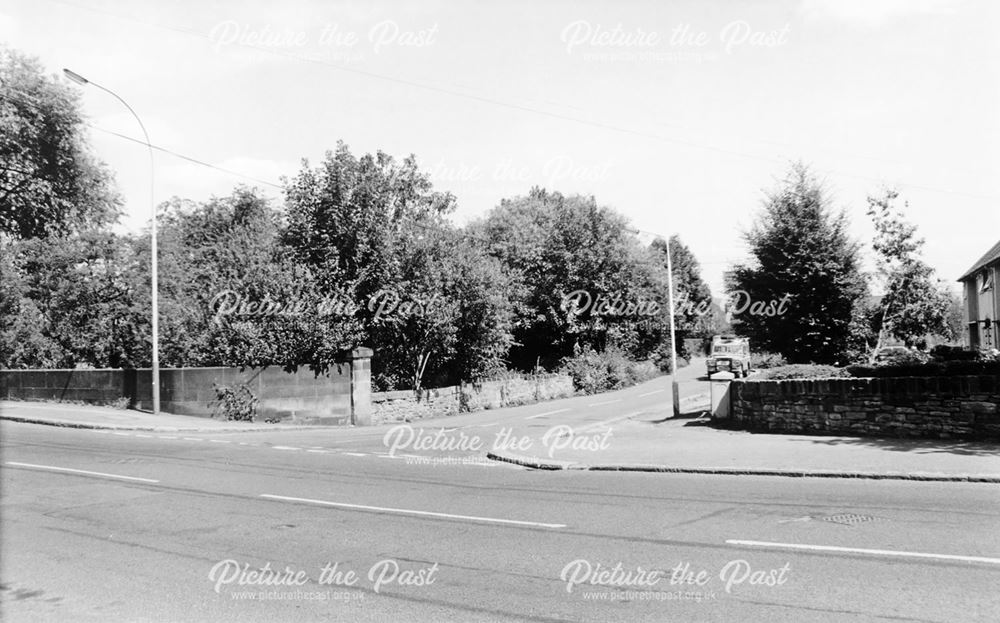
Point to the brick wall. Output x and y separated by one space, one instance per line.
959 407
407 406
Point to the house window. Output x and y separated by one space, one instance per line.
987 279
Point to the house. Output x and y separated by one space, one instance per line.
981 301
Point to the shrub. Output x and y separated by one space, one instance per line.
802 371
594 372
238 404
898 356
933 368
943 352
120 403
764 360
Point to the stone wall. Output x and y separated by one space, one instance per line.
341 396
944 407
407 406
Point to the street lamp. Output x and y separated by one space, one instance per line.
77 78
673 336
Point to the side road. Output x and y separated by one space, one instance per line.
688 445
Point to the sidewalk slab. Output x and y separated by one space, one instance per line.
687 445
106 418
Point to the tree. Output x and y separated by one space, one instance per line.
448 315
431 304
801 249
556 246
914 304
693 313
222 254
49 180
68 301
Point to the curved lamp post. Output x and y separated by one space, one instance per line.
77 78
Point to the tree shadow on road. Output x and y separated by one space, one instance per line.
916 446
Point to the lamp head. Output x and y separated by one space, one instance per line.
75 77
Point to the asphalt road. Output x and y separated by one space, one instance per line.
102 526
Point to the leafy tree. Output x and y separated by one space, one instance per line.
49 180
67 301
219 254
800 248
914 304
447 314
556 246
694 315
430 303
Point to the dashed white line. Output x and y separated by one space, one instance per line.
316 451
859 550
193 439
404 511
168 437
531 417
355 454
143 436
285 448
606 402
122 434
655 391
220 441
80 471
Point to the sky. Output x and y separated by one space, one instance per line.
679 115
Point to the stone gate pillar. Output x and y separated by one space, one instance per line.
360 360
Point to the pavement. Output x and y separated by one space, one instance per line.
107 418
626 430
691 445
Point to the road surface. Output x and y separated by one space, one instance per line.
327 526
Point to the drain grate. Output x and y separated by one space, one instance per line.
849 519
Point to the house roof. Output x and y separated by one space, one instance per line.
993 255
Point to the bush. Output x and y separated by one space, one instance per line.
594 372
933 368
238 404
802 371
764 360
953 353
120 403
899 356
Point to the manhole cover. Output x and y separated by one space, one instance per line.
849 519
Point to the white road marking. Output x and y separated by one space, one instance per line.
285 448
606 402
143 436
487 425
122 434
168 437
80 471
874 552
243 443
193 439
317 451
655 391
220 441
404 511
531 417
355 454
